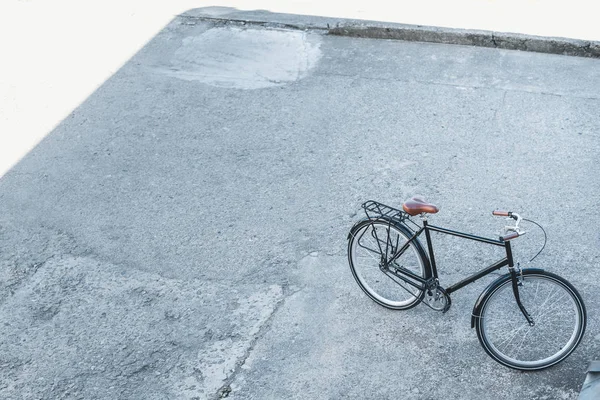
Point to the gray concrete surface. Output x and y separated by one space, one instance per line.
408 32
182 233
591 386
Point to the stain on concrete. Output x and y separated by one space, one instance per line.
240 58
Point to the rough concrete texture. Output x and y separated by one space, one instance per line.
390 30
591 386
177 239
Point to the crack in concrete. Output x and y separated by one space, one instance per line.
502 103
225 389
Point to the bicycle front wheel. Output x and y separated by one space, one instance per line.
371 245
557 311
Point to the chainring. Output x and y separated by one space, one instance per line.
437 299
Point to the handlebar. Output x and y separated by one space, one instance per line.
500 213
512 231
510 236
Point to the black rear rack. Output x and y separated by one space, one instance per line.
376 210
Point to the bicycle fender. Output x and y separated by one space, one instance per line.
355 228
401 227
486 292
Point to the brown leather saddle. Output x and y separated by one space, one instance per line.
417 205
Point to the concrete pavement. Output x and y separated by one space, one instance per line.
56 54
182 233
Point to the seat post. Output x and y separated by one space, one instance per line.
430 248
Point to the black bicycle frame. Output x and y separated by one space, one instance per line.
424 284
508 260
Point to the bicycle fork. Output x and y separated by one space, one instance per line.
517 280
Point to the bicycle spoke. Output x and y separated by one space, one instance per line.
513 334
527 332
551 310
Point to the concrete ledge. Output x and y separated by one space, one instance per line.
416 33
591 386
501 40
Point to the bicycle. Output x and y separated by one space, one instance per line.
527 319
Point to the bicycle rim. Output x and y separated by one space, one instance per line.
558 314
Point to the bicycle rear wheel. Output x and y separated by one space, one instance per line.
559 319
371 244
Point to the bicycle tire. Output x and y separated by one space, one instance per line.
365 252
557 310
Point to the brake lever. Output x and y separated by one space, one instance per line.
516 227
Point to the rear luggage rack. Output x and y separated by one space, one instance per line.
376 210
